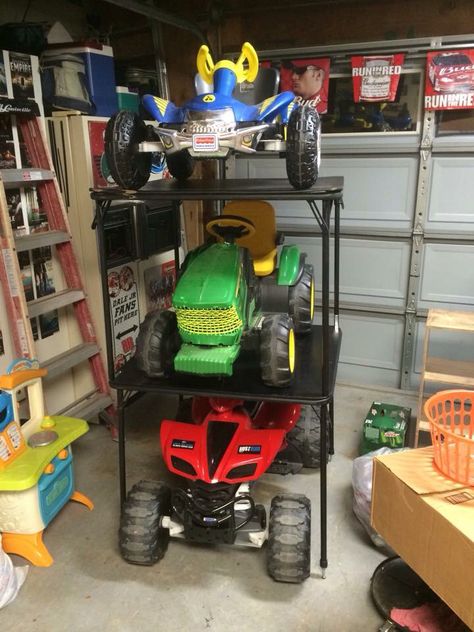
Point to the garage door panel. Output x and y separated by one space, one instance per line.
378 192
371 348
447 276
371 271
451 204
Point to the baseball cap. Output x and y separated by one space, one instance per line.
299 70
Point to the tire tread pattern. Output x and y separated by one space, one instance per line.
142 540
300 301
274 362
289 541
129 168
303 147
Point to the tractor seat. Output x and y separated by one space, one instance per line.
262 244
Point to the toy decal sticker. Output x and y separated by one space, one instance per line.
205 142
376 78
182 444
250 449
449 81
208 98
307 78
125 316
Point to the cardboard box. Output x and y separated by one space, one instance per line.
428 520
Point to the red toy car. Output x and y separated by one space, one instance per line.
452 72
221 448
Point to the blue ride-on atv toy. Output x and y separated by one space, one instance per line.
214 125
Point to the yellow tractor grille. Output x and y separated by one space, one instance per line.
213 322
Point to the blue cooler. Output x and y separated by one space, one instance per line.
100 74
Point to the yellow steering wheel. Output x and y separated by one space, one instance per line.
228 228
245 68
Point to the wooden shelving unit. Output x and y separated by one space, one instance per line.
440 370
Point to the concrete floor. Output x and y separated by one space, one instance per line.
90 588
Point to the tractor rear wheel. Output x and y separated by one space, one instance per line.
129 168
180 164
301 301
277 350
303 147
289 538
158 342
142 539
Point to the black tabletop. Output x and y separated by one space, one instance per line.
245 383
251 189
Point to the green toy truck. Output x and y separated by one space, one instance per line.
385 426
227 291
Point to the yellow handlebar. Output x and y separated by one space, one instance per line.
206 67
205 64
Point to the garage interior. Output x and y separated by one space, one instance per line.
400 288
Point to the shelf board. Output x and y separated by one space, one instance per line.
246 383
87 407
24 177
230 189
442 319
456 372
39 240
54 301
69 359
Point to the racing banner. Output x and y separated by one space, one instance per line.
307 78
449 82
376 78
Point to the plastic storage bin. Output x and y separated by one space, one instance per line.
451 418
100 74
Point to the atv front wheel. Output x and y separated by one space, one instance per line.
301 301
303 147
289 538
180 164
129 168
305 438
277 350
158 342
142 539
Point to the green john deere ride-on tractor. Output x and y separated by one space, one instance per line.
228 291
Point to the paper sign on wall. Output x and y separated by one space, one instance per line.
376 78
124 312
449 82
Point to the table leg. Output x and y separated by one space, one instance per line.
323 562
121 446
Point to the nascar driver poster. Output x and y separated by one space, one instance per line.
449 82
307 78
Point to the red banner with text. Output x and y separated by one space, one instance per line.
376 78
449 83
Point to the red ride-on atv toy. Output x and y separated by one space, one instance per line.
221 451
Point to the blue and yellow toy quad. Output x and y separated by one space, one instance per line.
214 125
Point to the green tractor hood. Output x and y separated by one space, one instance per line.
210 280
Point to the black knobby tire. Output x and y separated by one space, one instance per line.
180 164
142 539
129 168
274 350
289 538
158 342
305 437
303 147
300 297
